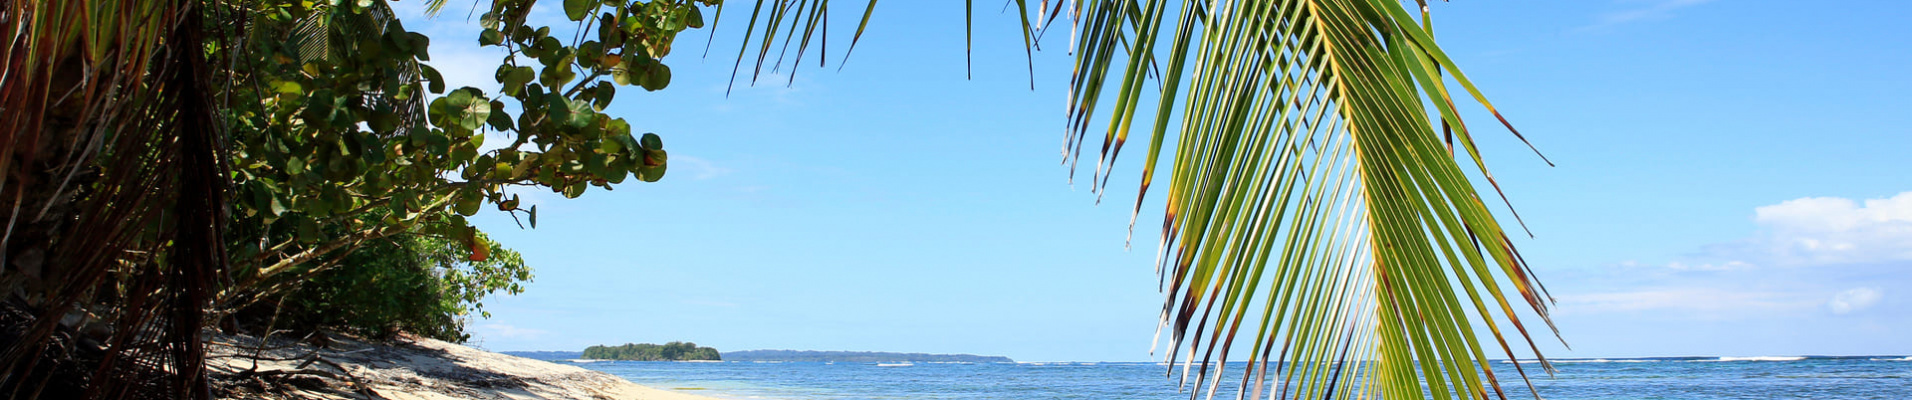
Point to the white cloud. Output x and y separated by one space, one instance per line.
1832 230
1689 299
1809 256
1854 299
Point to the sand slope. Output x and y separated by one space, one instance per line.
415 368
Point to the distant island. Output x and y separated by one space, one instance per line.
673 351
855 356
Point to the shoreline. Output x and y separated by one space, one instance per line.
242 367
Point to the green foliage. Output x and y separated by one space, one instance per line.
342 128
673 351
342 137
421 285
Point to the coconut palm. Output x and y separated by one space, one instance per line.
1319 221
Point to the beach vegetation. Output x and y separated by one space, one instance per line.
174 164
355 138
420 285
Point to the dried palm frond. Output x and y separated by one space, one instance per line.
115 187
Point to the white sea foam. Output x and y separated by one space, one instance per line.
1759 358
1890 359
1602 360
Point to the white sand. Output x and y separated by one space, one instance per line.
412 369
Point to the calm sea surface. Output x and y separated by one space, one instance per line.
1686 378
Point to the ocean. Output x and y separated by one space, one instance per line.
1671 378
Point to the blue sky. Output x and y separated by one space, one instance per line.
1730 182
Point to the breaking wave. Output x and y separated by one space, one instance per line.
1604 360
1760 358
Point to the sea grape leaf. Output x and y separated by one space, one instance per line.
578 9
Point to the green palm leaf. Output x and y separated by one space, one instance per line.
1310 200
1311 203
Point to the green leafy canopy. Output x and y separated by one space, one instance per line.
350 137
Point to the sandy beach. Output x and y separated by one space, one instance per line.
407 369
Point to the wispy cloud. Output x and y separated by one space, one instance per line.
1724 266
1808 255
699 168
1854 299
1650 10
503 331
1697 300
778 87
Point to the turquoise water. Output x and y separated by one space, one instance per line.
1683 378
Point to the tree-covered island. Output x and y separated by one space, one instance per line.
673 351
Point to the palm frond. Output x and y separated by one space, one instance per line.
112 157
1311 201
810 16
1310 198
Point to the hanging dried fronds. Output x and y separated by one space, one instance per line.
111 154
